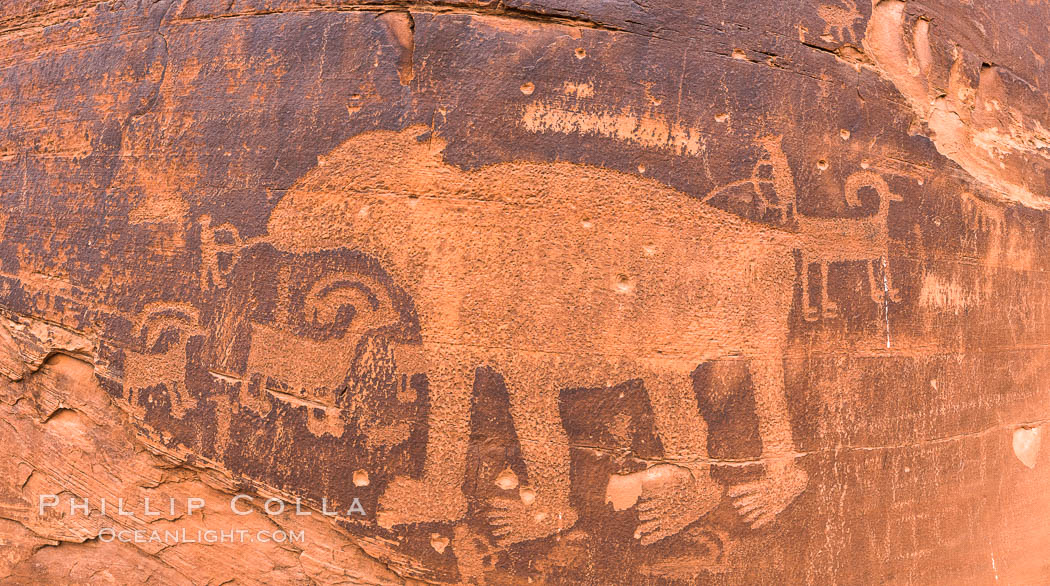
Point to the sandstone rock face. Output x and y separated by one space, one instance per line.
366 292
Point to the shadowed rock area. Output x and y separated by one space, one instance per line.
532 291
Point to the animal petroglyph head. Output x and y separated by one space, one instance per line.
869 180
158 368
325 327
328 330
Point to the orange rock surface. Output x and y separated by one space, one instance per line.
532 291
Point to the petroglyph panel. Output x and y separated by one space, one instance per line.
524 292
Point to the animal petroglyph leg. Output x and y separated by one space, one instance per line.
683 432
831 309
881 289
809 311
877 293
893 292
760 501
673 495
438 495
542 508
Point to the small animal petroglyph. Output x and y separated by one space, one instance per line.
320 331
770 177
839 21
824 240
164 330
827 240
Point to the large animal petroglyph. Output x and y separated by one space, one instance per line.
560 275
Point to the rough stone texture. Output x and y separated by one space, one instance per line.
560 292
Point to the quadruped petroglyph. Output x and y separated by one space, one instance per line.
563 276
560 276
823 240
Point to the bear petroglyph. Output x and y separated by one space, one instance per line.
560 275
588 288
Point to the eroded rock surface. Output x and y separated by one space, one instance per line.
319 291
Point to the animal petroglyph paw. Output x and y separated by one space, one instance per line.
759 502
672 498
407 500
514 520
